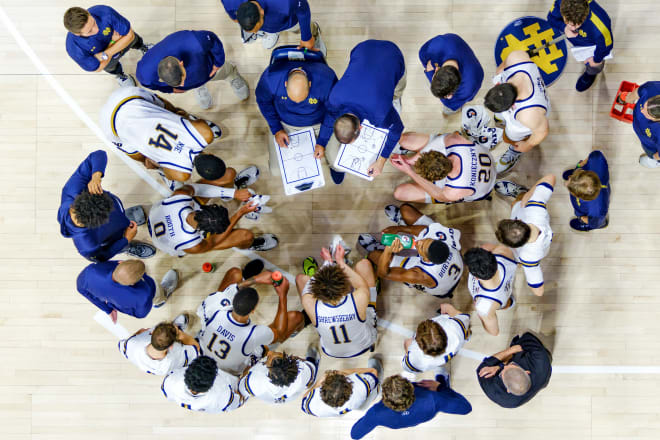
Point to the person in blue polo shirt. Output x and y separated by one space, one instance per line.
187 60
123 286
589 187
292 95
646 121
265 19
453 70
371 86
98 37
95 218
585 24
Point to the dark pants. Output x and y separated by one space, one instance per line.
650 153
590 70
114 66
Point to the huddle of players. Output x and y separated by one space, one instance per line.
337 299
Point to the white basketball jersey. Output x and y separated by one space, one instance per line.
445 275
256 383
221 397
515 130
365 391
477 170
343 334
135 350
136 121
216 301
457 330
506 270
168 227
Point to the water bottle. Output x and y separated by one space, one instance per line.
276 278
406 240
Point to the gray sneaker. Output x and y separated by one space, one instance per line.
507 188
318 43
376 362
145 48
648 162
136 214
204 98
313 355
264 242
182 321
507 161
169 282
126 81
369 243
139 249
246 177
240 87
393 212
268 40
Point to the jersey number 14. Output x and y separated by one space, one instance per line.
161 140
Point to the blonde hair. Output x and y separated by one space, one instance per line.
585 185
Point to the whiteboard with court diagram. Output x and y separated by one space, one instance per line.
355 158
299 169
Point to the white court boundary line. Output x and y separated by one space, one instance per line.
78 111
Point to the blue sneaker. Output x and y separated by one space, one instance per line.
337 177
584 82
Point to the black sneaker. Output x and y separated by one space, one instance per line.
140 249
253 268
337 177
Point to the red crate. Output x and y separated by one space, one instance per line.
623 112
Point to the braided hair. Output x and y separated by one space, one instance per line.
212 219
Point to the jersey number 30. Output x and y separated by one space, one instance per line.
161 140
224 347
344 333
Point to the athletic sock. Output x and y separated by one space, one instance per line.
373 295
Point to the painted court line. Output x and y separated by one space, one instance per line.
120 332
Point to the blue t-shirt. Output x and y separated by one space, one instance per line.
275 104
447 47
647 130
199 51
96 284
366 90
279 15
82 49
595 31
595 209
98 244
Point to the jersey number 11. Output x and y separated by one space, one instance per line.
344 333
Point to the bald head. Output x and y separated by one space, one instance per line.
128 272
516 380
297 86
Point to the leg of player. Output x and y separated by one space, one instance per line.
411 192
233 276
204 130
301 281
365 269
410 214
296 322
489 320
414 141
374 256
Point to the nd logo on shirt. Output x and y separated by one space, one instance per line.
648 132
530 33
107 31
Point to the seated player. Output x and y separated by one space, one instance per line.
341 303
95 219
528 230
436 340
519 99
152 131
161 349
453 70
228 334
202 386
436 268
279 377
338 392
445 169
179 225
492 274
646 118
589 188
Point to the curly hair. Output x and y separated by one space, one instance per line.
445 81
431 338
513 233
283 370
433 165
574 11
92 210
584 185
329 284
398 393
200 374
212 219
481 263
163 336
336 389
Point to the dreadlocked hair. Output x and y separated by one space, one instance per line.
283 370
212 219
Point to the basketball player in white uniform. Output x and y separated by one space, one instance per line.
179 225
152 131
341 303
160 349
279 377
436 265
528 231
339 392
492 274
227 332
203 387
446 169
425 351
519 99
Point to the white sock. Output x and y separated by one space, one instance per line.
373 294
211 191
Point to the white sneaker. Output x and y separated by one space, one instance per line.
648 162
169 282
508 188
376 363
337 240
240 87
268 41
318 43
264 242
126 81
247 177
393 213
397 105
204 98
507 161
182 321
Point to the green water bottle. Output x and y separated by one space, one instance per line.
406 240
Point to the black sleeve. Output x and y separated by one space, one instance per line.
534 358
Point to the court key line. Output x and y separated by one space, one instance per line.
119 331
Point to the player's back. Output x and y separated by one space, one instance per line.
219 398
458 331
135 350
169 230
257 383
534 212
343 334
365 389
506 270
477 170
